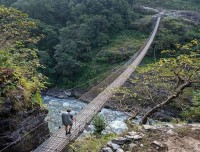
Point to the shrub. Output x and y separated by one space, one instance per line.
99 124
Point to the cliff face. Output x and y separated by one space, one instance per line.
23 130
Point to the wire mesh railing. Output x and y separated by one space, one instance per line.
86 114
58 141
91 94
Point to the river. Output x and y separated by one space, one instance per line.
114 119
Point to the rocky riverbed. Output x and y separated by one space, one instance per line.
114 119
62 94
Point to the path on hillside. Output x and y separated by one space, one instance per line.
59 141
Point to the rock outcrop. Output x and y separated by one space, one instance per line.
158 138
22 130
64 93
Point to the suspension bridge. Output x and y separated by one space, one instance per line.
58 141
97 98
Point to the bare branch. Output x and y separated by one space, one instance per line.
167 101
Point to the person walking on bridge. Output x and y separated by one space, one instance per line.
67 120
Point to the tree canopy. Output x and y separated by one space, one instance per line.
19 79
74 29
77 31
170 78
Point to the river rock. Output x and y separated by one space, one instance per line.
137 137
157 143
119 150
69 94
131 146
170 132
132 133
53 92
113 145
149 127
121 140
170 126
21 122
62 96
129 137
106 149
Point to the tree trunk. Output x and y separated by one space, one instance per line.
167 101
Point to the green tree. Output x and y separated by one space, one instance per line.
173 74
19 80
99 124
46 49
164 82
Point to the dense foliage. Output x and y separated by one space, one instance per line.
75 31
174 31
20 83
79 34
169 81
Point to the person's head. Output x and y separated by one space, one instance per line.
68 110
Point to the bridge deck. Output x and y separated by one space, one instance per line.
59 141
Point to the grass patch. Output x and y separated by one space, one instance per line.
127 38
92 143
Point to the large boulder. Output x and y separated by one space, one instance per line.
149 127
23 130
113 145
120 150
121 140
106 149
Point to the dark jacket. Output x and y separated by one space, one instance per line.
67 119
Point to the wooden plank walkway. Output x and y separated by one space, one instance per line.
59 141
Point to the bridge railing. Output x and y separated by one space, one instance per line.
91 94
84 118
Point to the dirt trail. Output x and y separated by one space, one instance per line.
168 138
185 144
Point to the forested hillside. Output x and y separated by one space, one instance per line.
19 78
67 43
85 39
74 32
21 107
